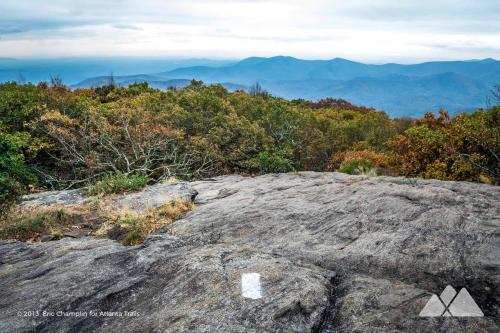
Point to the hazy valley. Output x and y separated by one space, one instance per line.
399 90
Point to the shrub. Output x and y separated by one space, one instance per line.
73 137
358 167
10 191
118 183
14 174
120 137
274 163
362 161
420 147
466 147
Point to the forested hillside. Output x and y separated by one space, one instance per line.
399 90
54 137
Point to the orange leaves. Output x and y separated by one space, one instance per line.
463 148
382 161
120 136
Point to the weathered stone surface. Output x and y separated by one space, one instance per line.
66 197
155 196
336 253
152 196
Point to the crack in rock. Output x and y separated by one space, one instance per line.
335 253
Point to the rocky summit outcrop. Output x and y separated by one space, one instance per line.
335 253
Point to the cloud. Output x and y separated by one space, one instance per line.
9 30
359 29
126 27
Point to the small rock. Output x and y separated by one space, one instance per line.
67 197
46 238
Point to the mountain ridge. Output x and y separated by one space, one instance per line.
360 69
454 85
398 89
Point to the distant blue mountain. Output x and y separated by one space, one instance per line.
289 68
73 70
400 90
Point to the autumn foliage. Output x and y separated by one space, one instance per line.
464 148
55 137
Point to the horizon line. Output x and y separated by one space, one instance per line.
235 59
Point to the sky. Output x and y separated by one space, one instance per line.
365 30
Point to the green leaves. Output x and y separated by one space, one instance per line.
14 174
118 183
274 163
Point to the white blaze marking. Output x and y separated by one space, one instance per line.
250 285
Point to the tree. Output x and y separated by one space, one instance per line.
14 174
124 138
257 90
20 79
56 81
496 93
110 80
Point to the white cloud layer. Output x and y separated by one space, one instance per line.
383 30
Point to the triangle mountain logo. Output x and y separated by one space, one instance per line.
451 304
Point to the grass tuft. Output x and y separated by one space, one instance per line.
128 227
134 237
117 183
139 225
30 226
